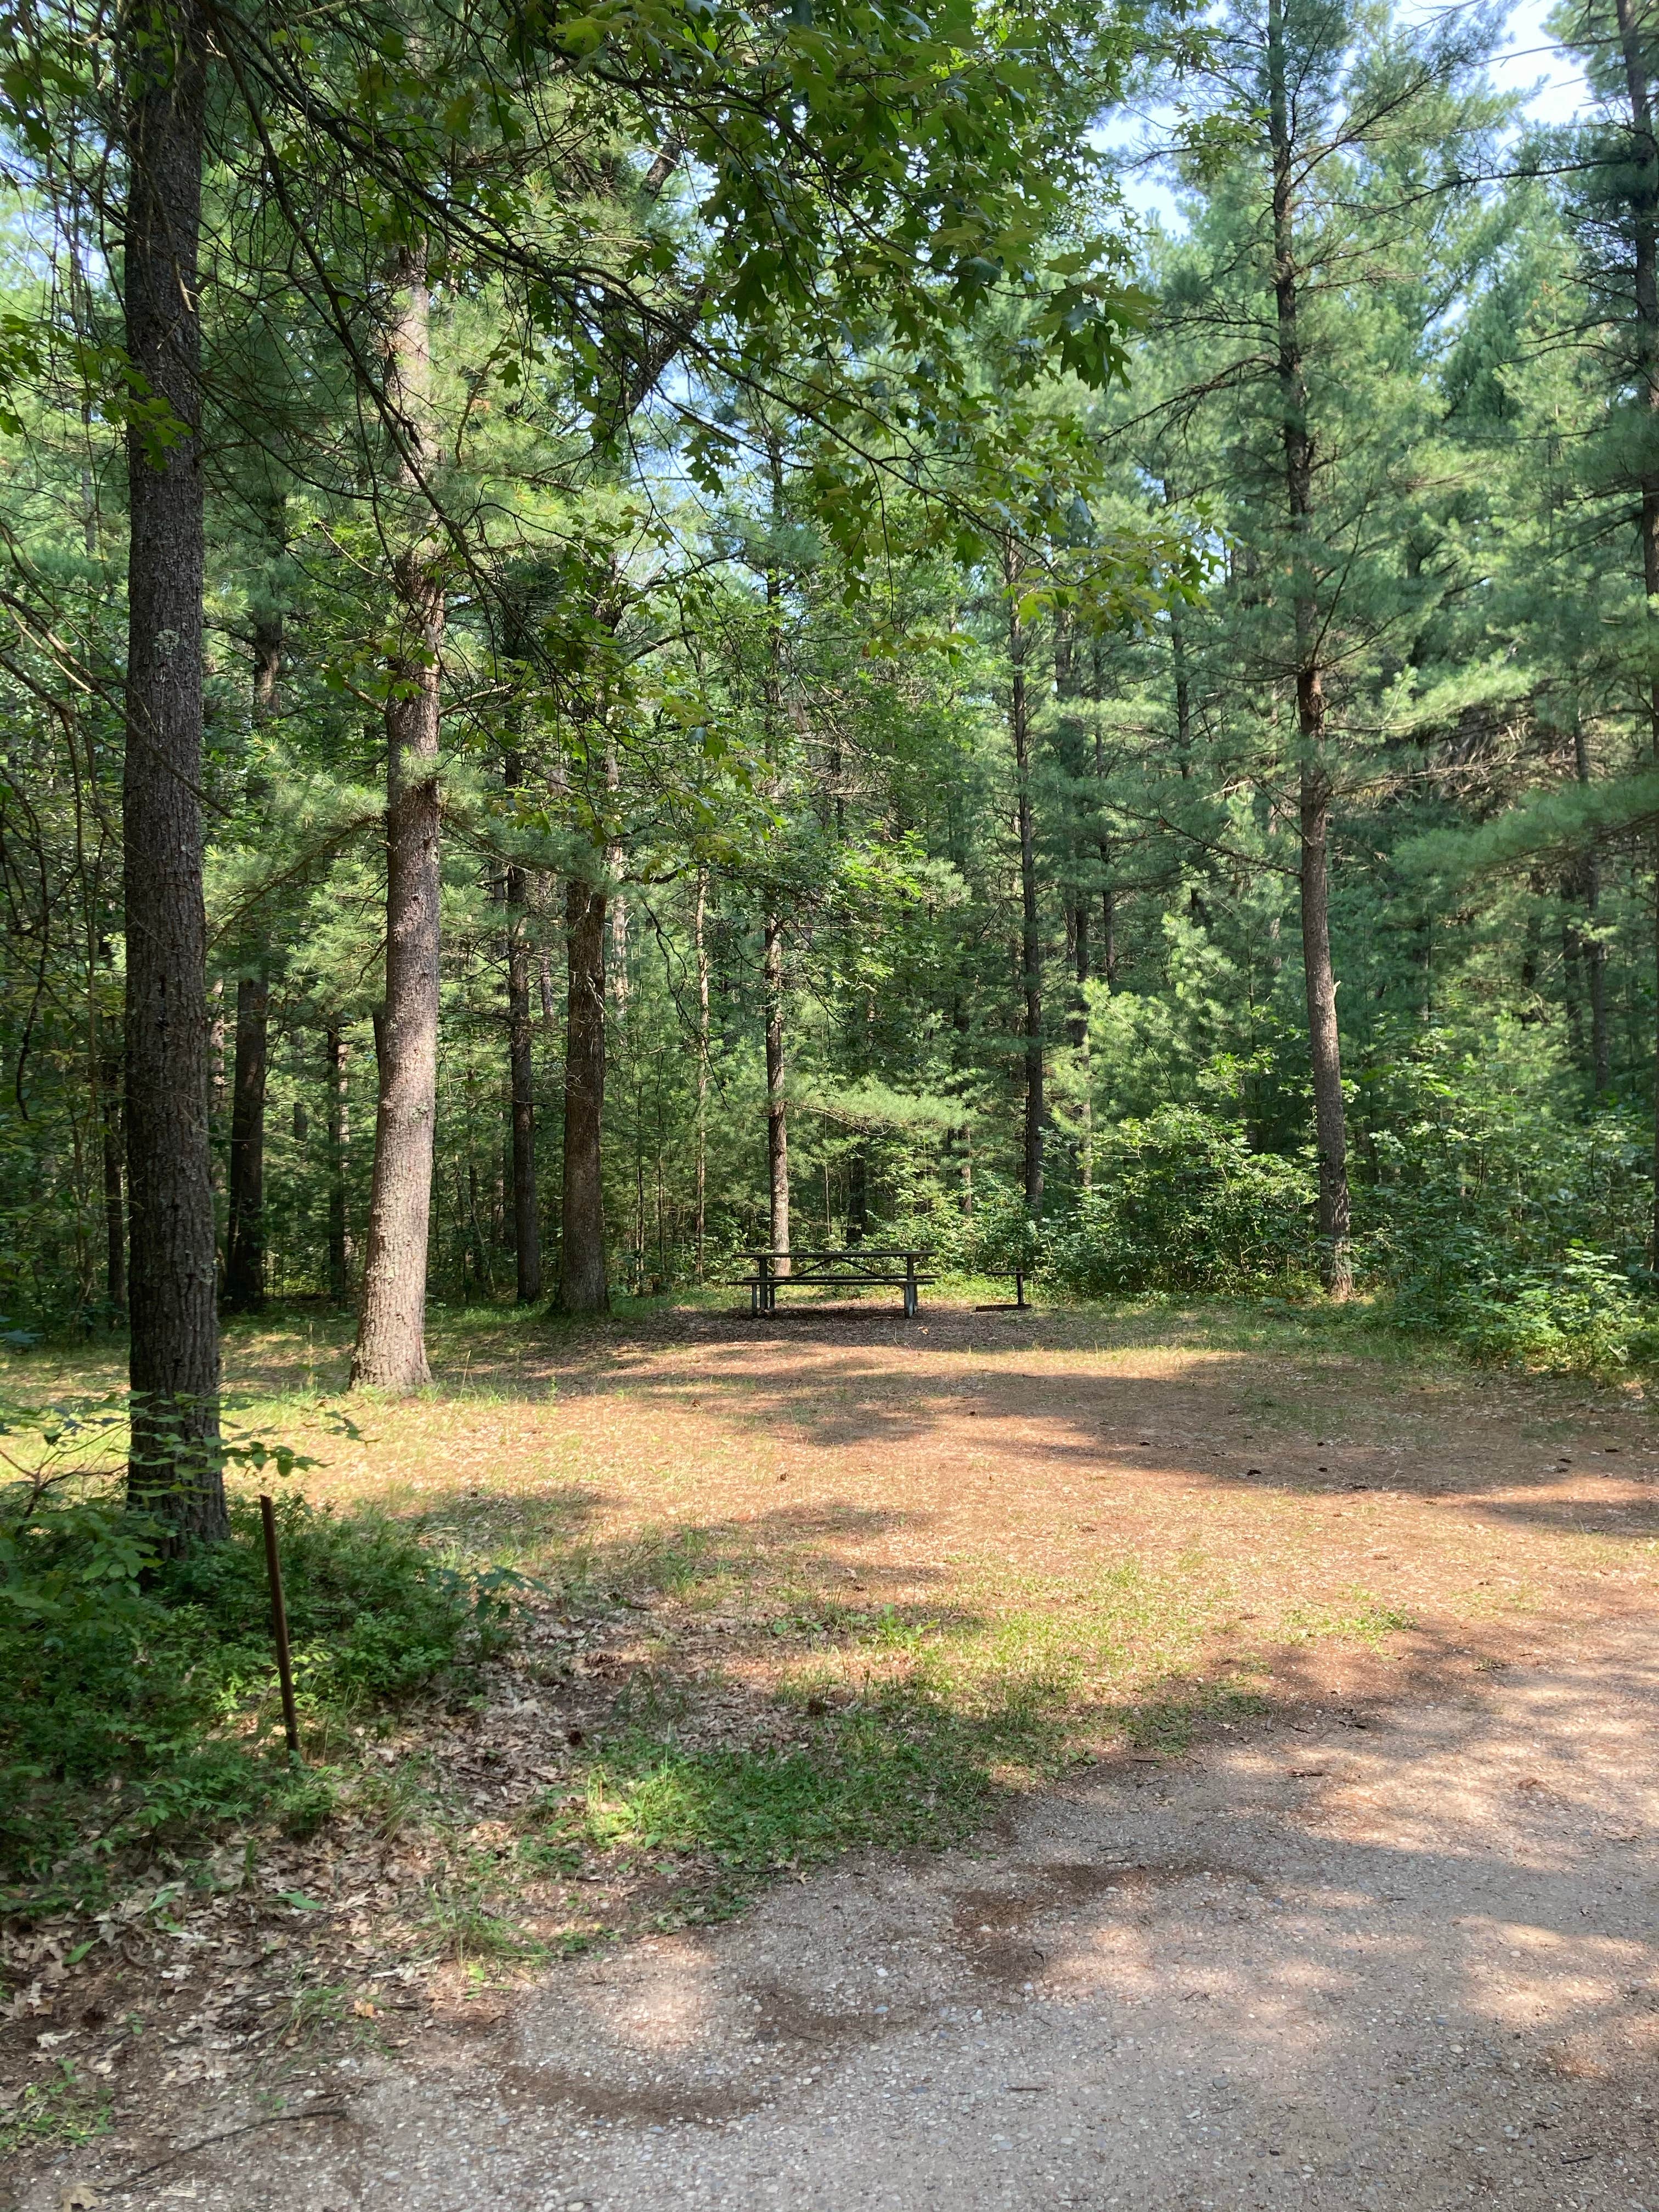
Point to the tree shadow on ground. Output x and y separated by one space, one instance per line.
1255 1399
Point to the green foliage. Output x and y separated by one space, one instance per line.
1180 1202
141 1685
1499 1220
1580 1316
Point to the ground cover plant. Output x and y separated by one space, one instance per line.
140 1708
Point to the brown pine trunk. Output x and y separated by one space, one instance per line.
1594 951
115 1227
268 620
584 1286
174 1468
1335 1210
1644 225
1030 943
526 1217
339 1141
245 1242
391 1348
1108 896
1079 1037
1329 1127
699 916
777 1110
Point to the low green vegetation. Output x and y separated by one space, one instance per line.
1494 1217
61 2111
908 1771
141 1702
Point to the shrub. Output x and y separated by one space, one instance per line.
1496 1220
1578 1317
1181 1203
140 1687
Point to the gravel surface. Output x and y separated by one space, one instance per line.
1396 1957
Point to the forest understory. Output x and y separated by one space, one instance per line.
798 1591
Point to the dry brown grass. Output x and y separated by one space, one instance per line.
1107 1503
1005 1540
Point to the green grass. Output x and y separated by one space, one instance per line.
57 2113
1358 1618
910 1772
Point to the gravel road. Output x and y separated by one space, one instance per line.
1392 1957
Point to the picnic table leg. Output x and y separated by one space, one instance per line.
1020 1289
910 1286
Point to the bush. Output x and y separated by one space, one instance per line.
1181 1203
1496 1220
1578 1317
140 1689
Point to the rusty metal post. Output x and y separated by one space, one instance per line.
279 1626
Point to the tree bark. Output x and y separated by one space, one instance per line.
1335 1208
700 943
521 1075
584 1286
1030 942
174 1468
339 1142
391 1348
777 1110
1593 951
1644 225
115 1226
245 1242
268 639
1330 1130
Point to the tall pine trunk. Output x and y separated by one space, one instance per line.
1594 951
174 1468
339 1142
115 1221
1335 1209
391 1348
526 1215
1645 229
245 1243
268 639
584 1286
698 920
1030 941
777 1109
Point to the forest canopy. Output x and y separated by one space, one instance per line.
637 635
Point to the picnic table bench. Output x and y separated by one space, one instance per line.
854 1267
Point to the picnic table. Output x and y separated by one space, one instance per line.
855 1267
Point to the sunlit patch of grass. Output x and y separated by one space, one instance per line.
1168 1721
906 1771
1357 1617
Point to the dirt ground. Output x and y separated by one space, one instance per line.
1383 1936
